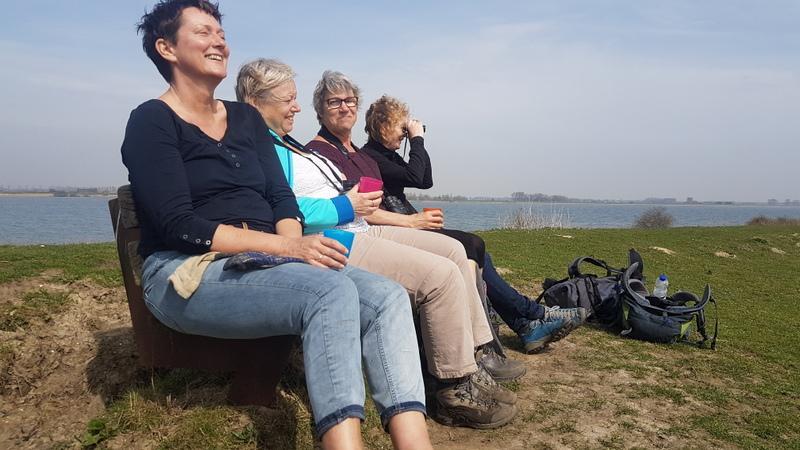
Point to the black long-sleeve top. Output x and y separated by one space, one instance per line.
185 183
398 174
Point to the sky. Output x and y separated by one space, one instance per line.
602 99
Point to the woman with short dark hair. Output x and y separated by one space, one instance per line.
206 181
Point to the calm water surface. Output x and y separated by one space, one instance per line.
51 220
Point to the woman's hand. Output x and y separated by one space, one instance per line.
429 220
414 128
364 203
318 251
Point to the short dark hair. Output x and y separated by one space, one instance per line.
163 23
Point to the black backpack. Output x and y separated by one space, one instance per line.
600 296
665 320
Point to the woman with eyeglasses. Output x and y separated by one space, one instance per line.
388 122
432 268
205 179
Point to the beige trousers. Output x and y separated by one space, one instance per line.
435 271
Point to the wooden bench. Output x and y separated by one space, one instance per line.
257 364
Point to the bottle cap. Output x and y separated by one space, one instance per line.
662 277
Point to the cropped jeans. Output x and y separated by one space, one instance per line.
341 317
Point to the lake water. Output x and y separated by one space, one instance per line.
58 220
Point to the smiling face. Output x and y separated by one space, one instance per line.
199 49
339 120
279 107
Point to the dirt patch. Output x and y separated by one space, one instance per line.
722 254
663 250
62 373
48 391
503 271
777 250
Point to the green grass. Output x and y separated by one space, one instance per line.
97 262
751 383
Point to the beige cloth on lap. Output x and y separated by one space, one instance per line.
186 278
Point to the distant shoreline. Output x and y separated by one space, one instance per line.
50 194
26 194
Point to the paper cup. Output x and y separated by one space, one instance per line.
369 184
343 237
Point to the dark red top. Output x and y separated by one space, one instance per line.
353 165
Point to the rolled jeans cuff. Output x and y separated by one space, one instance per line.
337 417
393 410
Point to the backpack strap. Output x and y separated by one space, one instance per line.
709 298
635 257
574 270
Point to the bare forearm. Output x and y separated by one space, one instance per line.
289 228
230 239
382 217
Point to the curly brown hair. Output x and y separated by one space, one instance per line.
383 115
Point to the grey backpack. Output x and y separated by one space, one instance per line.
600 296
665 320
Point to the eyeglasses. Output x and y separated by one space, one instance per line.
350 102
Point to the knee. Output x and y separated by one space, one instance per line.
442 274
394 298
477 243
337 293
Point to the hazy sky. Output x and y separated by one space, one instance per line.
590 99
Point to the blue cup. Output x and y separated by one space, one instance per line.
343 237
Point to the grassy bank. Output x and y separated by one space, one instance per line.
593 390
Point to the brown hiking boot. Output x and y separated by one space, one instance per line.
466 404
500 367
484 381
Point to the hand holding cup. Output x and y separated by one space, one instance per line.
432 218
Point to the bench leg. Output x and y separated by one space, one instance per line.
253 388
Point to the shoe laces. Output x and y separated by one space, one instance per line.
471 394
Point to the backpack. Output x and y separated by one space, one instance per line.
664 320
600 296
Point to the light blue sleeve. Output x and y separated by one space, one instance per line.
319 213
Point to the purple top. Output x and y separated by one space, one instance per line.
353 165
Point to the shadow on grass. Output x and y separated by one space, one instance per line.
183 408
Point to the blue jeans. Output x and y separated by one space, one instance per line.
341 317
515 309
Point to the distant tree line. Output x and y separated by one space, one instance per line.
440 198
541 198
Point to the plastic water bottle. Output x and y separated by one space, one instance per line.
662 283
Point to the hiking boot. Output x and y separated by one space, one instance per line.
484 381
538 333
464 404
499 367
574 317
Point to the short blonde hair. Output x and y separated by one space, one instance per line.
383 115
257 78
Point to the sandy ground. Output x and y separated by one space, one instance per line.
64 371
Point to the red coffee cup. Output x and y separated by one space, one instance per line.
431 209
369 184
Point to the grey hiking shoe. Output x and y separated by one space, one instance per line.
464 404
574 317
500 367
484 381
